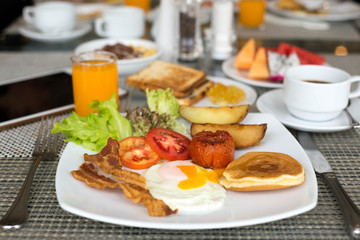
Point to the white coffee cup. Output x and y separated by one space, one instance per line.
318 93
51 17
123 21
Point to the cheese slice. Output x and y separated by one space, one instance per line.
259 69
244 59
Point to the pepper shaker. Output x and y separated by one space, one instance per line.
189 35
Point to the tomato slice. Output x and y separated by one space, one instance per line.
168 144
135 153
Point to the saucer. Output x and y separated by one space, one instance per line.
272 102
79 30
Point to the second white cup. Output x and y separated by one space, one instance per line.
318 93
51 17
125 22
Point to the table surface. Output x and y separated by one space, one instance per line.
48 220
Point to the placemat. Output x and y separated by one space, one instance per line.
30 63
48 221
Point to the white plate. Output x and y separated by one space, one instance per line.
79 30
242 75
340 11
240 208
272 102
250 98
125 66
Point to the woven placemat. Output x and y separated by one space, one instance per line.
48 221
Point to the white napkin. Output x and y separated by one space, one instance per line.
309 25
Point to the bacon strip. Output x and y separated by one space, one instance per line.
155 207
132 184
108 159
89 175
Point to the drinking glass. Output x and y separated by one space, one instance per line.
251 13
94 77
143 4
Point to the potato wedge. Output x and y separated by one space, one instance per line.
244 135
217 115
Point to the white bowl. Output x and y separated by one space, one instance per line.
125 66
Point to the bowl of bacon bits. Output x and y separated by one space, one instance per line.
133 55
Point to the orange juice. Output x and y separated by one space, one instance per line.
144 4
93 80
251 13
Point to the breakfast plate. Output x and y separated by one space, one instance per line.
79 30
239 209
250 93
272 102
242 76
336 11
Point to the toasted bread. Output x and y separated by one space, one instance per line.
164 75
196 95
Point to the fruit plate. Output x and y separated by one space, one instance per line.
242 76
239 209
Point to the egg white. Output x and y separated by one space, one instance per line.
206 198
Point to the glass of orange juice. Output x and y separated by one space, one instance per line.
144 4
94 77
252 13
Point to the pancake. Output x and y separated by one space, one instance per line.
257 171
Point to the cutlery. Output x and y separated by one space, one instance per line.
45 147
350 211
350 112
125 101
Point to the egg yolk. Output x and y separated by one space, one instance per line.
196 177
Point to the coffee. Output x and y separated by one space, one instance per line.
317 81
318 93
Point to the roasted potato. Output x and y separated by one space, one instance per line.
217 115
244 135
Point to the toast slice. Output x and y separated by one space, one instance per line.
198 94
161 74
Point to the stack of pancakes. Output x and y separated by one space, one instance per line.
189 85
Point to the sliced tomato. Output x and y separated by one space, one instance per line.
168 144
135 153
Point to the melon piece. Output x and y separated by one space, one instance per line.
259 69
245 58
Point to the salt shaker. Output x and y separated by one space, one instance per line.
222 29
165 29
189 35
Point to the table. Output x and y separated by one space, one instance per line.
48 221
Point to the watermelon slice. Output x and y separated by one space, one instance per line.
306 57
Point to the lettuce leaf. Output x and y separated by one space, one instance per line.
163 101
93 130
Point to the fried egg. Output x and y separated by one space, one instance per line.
185 186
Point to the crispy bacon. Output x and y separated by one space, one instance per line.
89 175
132 184
108 159
155 207
130 177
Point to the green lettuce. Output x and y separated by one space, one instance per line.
93 130
163 101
